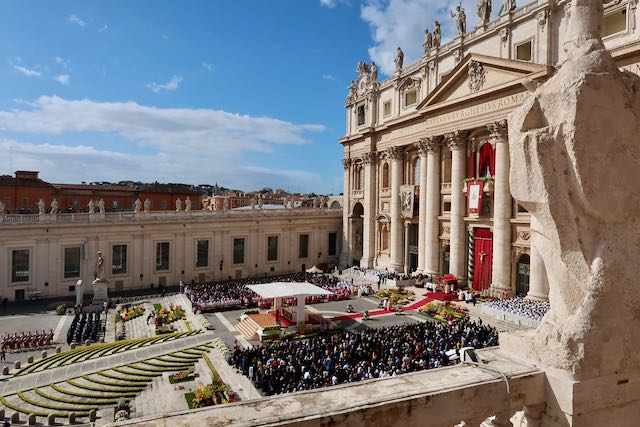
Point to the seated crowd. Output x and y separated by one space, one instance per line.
522 307
235 294
326 360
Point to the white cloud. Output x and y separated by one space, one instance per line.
75 19
164 144
63 79
29 72
208 67
103 28
328 3
171 85
328 77
401 23
61 61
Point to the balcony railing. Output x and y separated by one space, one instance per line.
87 218
445 188
358 194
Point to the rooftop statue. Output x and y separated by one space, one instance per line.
437 35
581 122
428 41
399 60
461 20
508 6
484 11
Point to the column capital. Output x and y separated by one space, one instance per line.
395 153
370 158
456 140
498 130
428 145
346 163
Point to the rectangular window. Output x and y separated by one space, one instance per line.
119 259
25 202
164 204
386 109
20 265
76 203
72 262
360 115
524 51
614 22
303 247
114 204
202 253
333 244
162 256
410 98
238 250
272 248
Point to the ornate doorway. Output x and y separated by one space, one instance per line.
482 258
522 278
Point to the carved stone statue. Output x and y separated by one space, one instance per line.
137 205
100 276
352 90
41 206
484 11
428 42
101 206
147 205
178 204
461 20
253 203
583 221
187 204
54 207
374 72
91 206
399 60
508 6
437 35
2 208
260 203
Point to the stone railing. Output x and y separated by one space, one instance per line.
87 218
445 188
358 194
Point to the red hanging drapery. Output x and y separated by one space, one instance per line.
482 258
487 157
471 165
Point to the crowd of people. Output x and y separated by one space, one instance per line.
521 306
231 294
27 340
326 360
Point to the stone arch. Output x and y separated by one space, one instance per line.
356 220
335 205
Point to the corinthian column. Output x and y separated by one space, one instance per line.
396 155
345 253
457 143
431 239
422 205
538 280
369 220
502 205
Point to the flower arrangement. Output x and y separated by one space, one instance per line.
166 315
130 313
397 296
182 376
444 312
209 395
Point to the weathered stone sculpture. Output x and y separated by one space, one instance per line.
178 204
147 205
508 6
461 20
484 11
437 35
41 206
187 204
91 206
428 42
54 207
137 205
374 72
575 164
101 206
399 60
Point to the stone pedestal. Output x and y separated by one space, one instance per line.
100 291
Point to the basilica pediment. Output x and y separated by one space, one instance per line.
478 75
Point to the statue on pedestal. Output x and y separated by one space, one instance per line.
100 284
508 6
428 42
484 11
187 204
92 206
178 204
41 206
437 35
374 72
147 205
137 206
399 60
54 207
101 206
100 267
2 208
461 20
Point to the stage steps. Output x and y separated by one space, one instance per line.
248 328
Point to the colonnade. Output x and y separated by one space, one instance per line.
429 219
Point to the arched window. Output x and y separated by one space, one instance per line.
361 178
416 171
385 175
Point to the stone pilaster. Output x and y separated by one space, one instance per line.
457 142
432 208
422 205
396 155
502 205
369 220
345 253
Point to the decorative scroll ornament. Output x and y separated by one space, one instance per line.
477 76
504 35
346 163
369 158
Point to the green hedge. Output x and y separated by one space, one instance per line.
55 407
119 378
117 388
60 399
140 374
18 408
112 384
115 394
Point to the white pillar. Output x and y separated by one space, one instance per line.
502 205
431 238
369 220
457 144
538 279
396 155
406 248
422 205
300 315
345 253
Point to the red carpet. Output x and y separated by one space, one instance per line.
429 296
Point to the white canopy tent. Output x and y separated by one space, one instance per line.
314 270
299 290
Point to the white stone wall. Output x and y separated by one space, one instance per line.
46 243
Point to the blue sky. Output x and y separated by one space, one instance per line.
244 93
